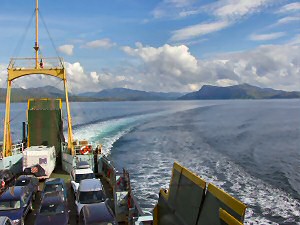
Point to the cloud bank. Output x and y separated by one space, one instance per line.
175 68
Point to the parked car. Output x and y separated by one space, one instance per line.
55 185
81 172
28 180
90 191
6 179
99 213
53 210
4 220
16 203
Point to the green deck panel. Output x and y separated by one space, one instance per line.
45 128
44 104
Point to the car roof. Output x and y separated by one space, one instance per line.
13 193
54 181
52 198
83 171
98 212
90 185
24 177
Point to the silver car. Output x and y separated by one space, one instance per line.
90 192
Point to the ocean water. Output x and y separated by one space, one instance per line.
250 148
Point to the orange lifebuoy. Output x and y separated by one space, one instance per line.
85 150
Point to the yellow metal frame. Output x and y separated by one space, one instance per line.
228 219
189 174
15 73
227 199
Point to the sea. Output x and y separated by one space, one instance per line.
249 148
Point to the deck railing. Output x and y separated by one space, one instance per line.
29 63
15 149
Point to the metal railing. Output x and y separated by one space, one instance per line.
16 149
29 63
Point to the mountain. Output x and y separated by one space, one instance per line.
131 95
243 91
22 94
115 94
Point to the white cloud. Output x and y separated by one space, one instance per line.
226 82
288 19
170 8
174 68
265 37
66 49
101 43
198 30
236 9
291 7
226 13
295 40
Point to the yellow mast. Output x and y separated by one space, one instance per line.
36 46
17 72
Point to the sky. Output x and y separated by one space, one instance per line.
157 45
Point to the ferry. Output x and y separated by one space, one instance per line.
44 152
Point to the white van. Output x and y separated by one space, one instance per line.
90 192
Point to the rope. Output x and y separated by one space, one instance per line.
51 40
21 41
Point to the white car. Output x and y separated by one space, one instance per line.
83 171
90 192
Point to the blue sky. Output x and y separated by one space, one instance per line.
167 45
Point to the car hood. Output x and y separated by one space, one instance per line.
12 214
61 219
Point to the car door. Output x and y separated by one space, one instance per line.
26 200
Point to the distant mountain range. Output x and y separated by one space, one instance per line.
243 91
131 95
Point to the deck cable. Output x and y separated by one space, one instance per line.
17 50
51 40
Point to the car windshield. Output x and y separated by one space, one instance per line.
80 177
52 209
9 205
53 187
22 182
91 197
